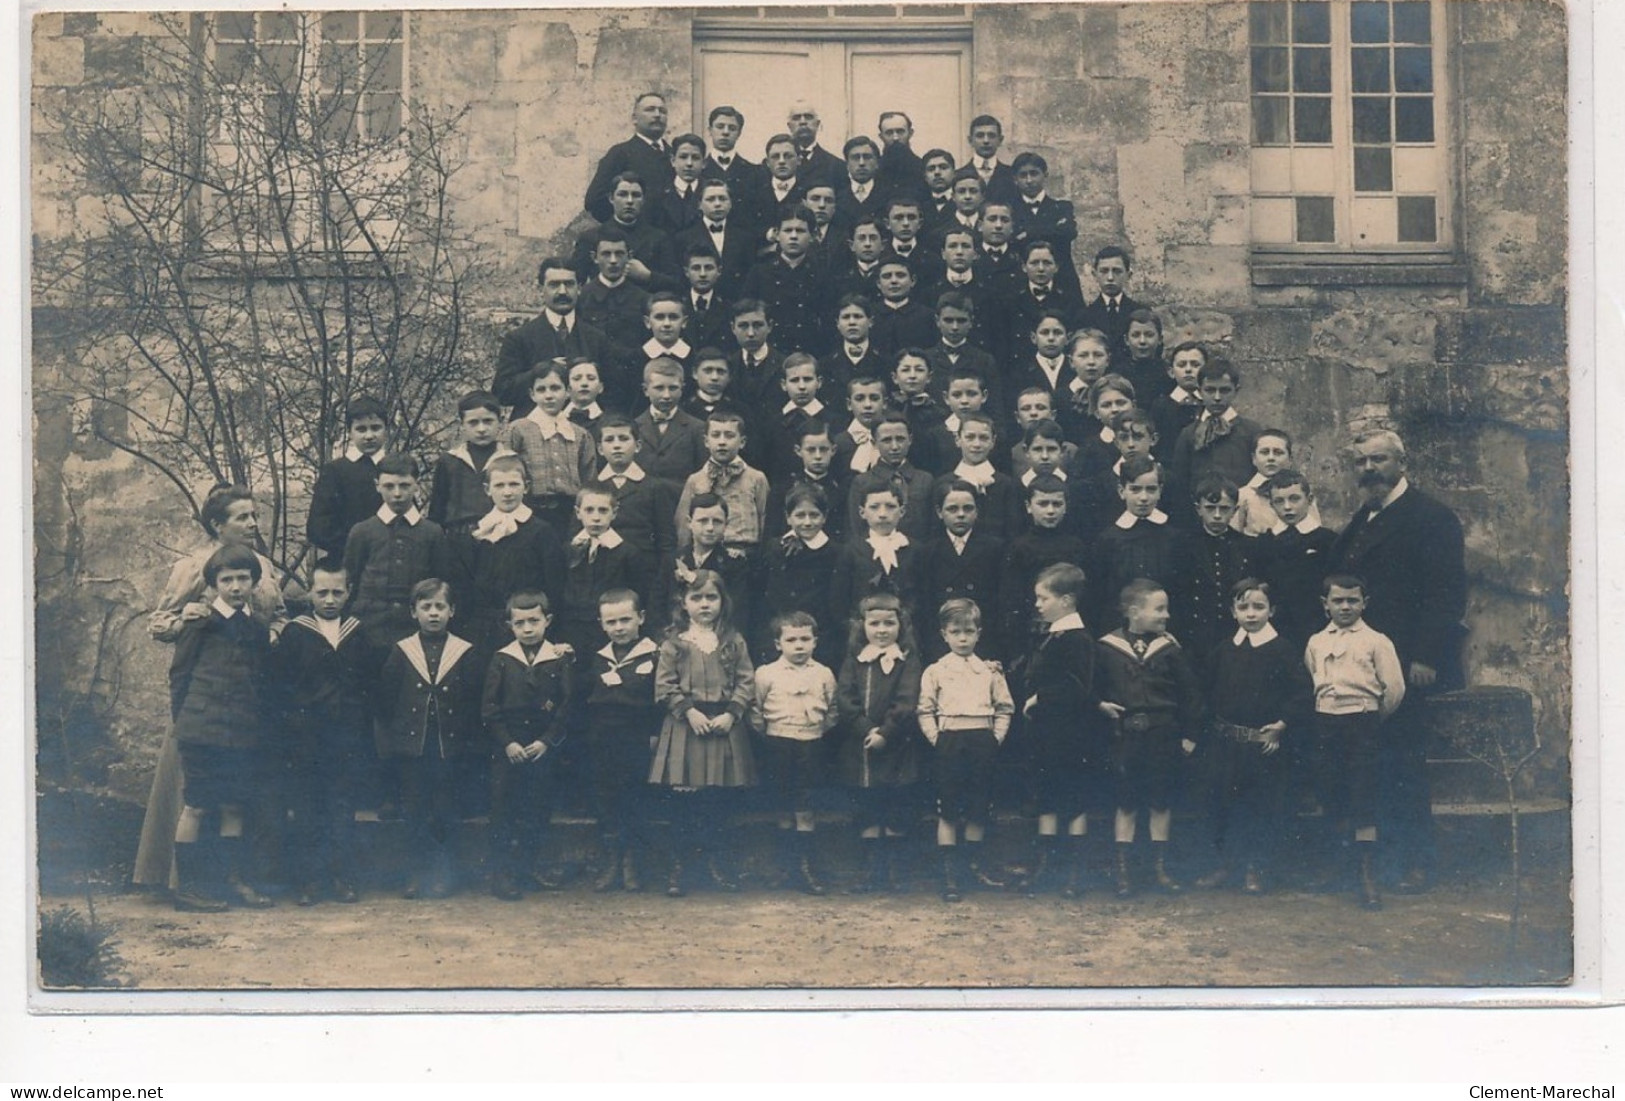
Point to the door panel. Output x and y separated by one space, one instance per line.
761 79
928 84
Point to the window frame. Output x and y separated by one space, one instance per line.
1345 261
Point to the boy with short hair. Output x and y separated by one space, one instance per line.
706 308
731 478
586 386
797 569
858 355
346 490
965 392
1035 405
1220 441
390 552
457 499
621 720
706 516
964 710
903 224
1358 684
1140 543
900 321
645 505
999 495
324 670
1178 407
962 561
754 366
855 450
598 559
664 315
527 696
892 440
611 300
559 457
1220 556
855 272
791 286
670 439
961 343
1110 310
1272 453
880 559
1092 495
1151 696
510 547
1047 541
814 448
793 706
428 711
1042 217
218 700
912 396
1295 556
799 383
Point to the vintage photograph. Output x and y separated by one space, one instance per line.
859 497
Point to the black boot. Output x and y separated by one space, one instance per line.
1074 868
674 877
1370 899
1165 882
950 874
238 888
897 878
629 869
805 864
1041 865
193 894
609 876
981 875
1125 884
874 868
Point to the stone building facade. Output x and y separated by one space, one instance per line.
1148 114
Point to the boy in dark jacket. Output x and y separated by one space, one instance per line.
428 698
217 698
346 491
524 707
509 548
1149 692
391 551
457 499
324 668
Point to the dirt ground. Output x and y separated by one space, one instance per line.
1454 935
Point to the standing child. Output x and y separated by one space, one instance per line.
815 468
1143 339
857 355
1140 543
457 499
1220 556
586 387
1272 453
559 457
1088 353
960 337
707 518
509 549
894 442
713 387
1034 406
900 321
1295 554
731 478
390 552
962 562
1358 684
794 707
217 699
1059 686
798 569
876 696
671 440
346 490
598 559
1092 498
1220 441
1152 698
799 384
1257 692
1046 368
428 705
664 316
882 560
1176 409
855 450
912 397
1048 541
999 495
622 719
645 505
324 669
525 707
966 393
704 680
965 709
1096 435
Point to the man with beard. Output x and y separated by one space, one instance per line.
1408 548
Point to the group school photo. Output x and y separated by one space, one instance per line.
891 496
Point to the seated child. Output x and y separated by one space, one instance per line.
510 549
525 707
731 478
876 696
1272 453
457 499
559 457
622 720
1150 694
1178 408
1257 692
324 669
218 696
390 552
797 570
1058 684
1358 685
794 707
1295 555
346 490
883 559
671 440
999 504
962 562
428 705
964 712
704 680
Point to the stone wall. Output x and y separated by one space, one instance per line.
1142 112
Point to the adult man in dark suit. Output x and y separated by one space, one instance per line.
936 186
1408 548
816 162
1110 312
900 167
557 334
998 179
644 153
723 127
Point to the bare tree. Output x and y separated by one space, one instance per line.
274 240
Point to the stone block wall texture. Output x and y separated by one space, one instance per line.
1142 113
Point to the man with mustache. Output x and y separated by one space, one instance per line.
1408 548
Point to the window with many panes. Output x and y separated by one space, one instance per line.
1348 150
